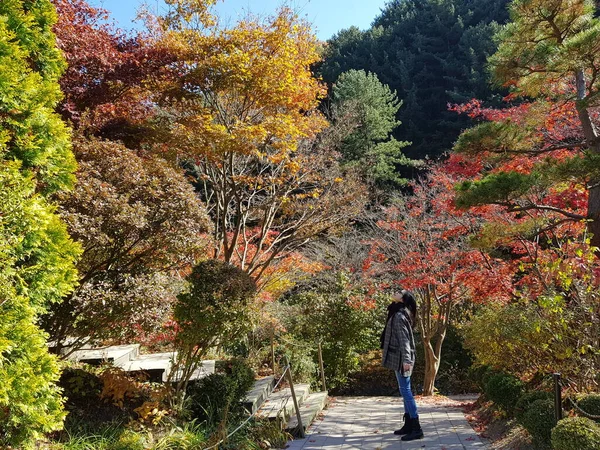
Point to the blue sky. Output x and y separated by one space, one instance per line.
327 16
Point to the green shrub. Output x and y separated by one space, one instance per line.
526 400
503 389
488 373
217 395
590 403
80 386
214 308
301 356
242 375
130 440
552 329
259 434
576 433
111 437
190 436
481 375
320 310
539 419
208 397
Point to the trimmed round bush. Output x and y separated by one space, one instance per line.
503 389
526 400
576 433
539 419
590 403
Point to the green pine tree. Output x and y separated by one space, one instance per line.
431 52
549 54
370 147
36 254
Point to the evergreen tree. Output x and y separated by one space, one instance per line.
36 254
431 52
370 146
549 55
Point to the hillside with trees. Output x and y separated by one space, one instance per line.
430 53
239 204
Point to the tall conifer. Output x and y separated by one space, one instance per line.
36 254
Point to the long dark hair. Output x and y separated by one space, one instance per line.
411 305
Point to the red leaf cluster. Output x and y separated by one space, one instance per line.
110 73
428 242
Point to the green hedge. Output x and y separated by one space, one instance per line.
590 403
503 389
526 400
481 375
218 394
576 433
539 419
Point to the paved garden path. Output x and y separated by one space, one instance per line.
369 422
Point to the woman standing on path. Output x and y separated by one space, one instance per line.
399 355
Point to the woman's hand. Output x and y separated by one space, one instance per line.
406 367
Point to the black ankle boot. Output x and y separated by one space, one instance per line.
406 427
415 431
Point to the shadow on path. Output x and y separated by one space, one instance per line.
369 422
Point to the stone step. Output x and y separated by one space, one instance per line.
127 357
309 410
258 394
281 404
207 368
67 344
116 354
156 365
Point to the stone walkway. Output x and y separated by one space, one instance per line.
369 422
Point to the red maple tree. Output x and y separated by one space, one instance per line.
112 78
426 241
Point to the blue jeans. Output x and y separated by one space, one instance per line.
410 406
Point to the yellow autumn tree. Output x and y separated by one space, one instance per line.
242 110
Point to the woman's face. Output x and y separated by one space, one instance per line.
397 298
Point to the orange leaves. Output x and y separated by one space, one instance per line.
247 90
184 13
281 272
117 386
242 105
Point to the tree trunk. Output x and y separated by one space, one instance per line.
432 365
433 357
593 141
594 213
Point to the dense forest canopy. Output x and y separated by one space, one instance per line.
431 52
